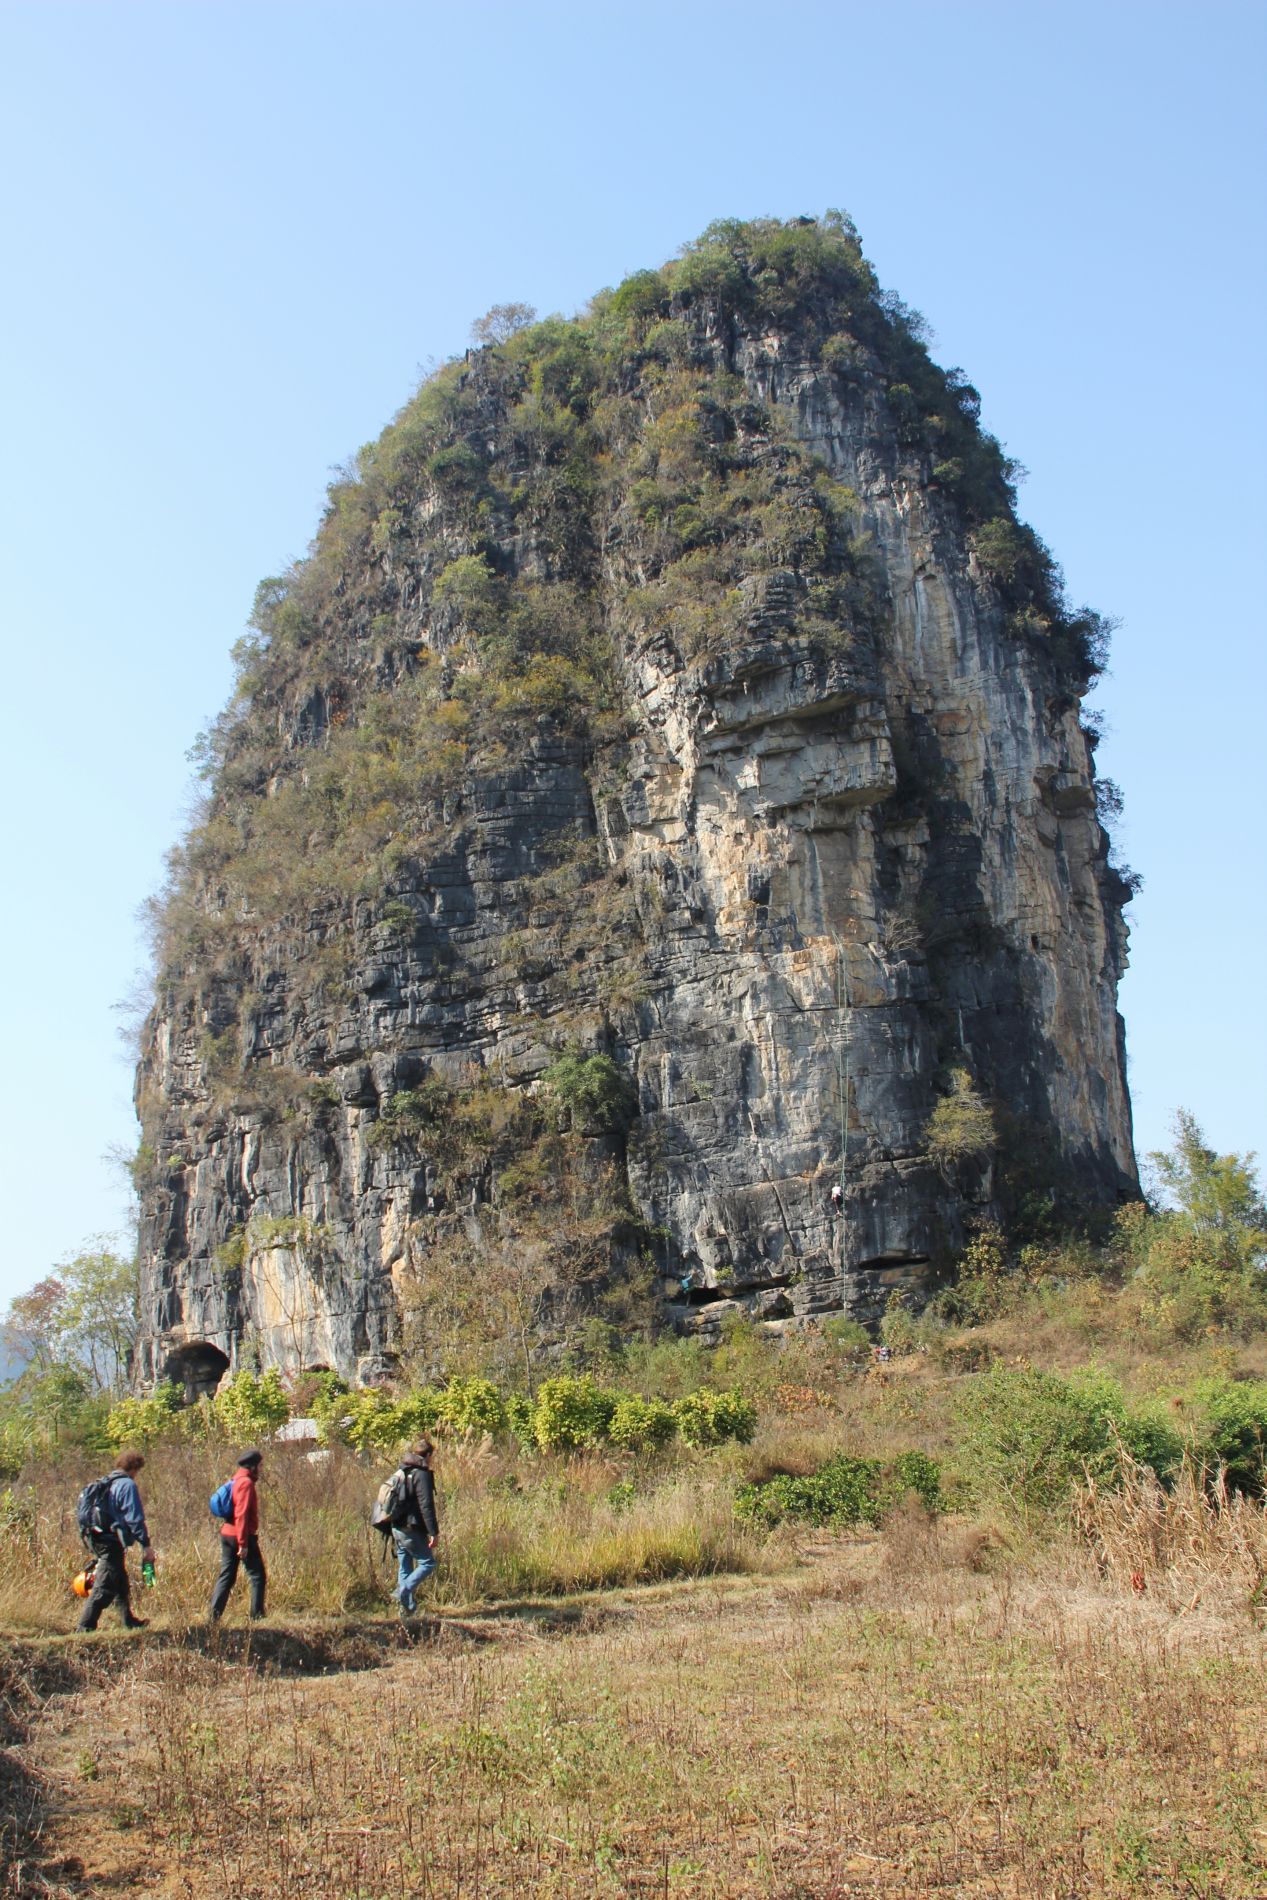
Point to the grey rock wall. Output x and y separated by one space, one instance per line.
845 868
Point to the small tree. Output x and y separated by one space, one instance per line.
83 1315
1216 1197
500 323
592 1092
961 1127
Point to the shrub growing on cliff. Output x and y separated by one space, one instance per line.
961 1126
591 1092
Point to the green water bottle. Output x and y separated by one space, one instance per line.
147 1573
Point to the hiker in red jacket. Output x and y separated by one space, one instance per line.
239 1540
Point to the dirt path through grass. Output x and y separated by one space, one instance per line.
879 1722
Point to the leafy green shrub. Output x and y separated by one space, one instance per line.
1028 1436
708 1418
619 1495
1199 1261
457 469
247 1407
639 297
519 1420
1007 550
981 1290
849 1336
899 1329
1235 1434
911 1472
592 1092
846 1490
230 1255
411 1112
142 1422
472 1407
1152 1440
961 1126
641 1425
375 1420
471 585
571 1413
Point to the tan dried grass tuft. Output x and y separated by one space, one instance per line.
1197 1543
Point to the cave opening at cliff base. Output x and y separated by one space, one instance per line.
198 1367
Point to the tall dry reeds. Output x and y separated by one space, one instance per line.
511 1524
1196 1542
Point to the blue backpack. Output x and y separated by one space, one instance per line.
221 1501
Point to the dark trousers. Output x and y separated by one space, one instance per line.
252 1563
110 1583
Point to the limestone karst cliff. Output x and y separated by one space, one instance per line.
651 860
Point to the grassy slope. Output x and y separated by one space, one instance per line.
887 1719
977 1706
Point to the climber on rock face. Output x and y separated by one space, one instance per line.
837 1198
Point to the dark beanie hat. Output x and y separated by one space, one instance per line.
251 1458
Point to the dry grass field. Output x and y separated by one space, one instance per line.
624 1686
882 1715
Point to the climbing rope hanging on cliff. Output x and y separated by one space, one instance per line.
842 1071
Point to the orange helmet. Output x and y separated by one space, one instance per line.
82 1584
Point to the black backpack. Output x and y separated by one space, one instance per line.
95 1512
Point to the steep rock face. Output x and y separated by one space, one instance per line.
796 869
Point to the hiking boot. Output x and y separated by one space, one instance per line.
136 1622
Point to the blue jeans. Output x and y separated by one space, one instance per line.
416 1563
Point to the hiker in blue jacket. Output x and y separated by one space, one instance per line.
119 1521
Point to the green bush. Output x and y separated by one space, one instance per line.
1151 1439
142 1422
961 1126
1198 1262
849 1336
472 1407
846 1490
375 1420
899 1329
641 1425
911 1473
571 1413
519 1420
639 297
248 1407
1027 1437
1235 1430
592 1092
708 1418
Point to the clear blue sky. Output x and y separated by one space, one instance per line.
233 234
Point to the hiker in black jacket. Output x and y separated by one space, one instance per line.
417 1535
